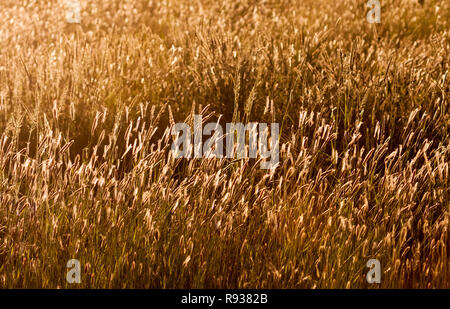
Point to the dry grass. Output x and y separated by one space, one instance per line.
85 169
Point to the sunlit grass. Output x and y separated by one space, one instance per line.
86 173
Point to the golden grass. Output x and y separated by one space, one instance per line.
85 169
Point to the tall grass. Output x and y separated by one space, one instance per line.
86 172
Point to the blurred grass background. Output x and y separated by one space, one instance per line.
85 170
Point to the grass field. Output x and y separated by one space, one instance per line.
85 165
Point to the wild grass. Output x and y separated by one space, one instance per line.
86 172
